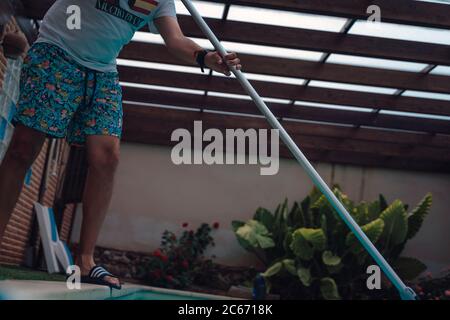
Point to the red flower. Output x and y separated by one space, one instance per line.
185 225
164 258
185 264
157 253
216 225
169 278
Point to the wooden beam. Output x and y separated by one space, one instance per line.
171 121
285 110
366 134
300 38
284 91
306 69
399 11
185 119
155 125
331 42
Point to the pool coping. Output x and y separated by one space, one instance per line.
57 290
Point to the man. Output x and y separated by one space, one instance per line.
70 88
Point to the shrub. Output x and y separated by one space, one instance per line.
310 253
179 259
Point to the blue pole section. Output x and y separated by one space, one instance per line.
405 292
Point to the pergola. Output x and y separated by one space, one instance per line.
360 114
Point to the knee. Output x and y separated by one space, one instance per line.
104 159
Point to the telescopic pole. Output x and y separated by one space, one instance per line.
406 293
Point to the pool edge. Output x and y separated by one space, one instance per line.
56 290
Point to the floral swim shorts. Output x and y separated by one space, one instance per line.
61 98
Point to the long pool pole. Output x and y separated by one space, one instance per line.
405 292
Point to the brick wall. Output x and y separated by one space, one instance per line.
15 240
66 225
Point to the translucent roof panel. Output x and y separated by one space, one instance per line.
376 63
228 95
436 1
351 87
158 66
401 32
427 95
277 79
275 100
141 36
268 78
441 70
206 9
286 18
161 88
331 106
272 51
241 47
415 115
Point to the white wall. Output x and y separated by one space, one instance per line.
151 195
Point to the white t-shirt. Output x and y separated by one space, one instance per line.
106 26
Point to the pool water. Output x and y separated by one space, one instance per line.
151 295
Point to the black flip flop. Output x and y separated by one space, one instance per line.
97 276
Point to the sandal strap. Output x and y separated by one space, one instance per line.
99 272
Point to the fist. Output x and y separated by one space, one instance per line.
214 61
15 44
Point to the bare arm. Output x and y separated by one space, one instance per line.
186 49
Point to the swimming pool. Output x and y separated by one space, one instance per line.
154 295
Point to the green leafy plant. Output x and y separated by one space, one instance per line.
310 243
179 260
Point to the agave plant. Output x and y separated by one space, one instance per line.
311 243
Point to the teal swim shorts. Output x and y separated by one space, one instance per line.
61 98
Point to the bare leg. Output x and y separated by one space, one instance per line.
103 157
23 150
